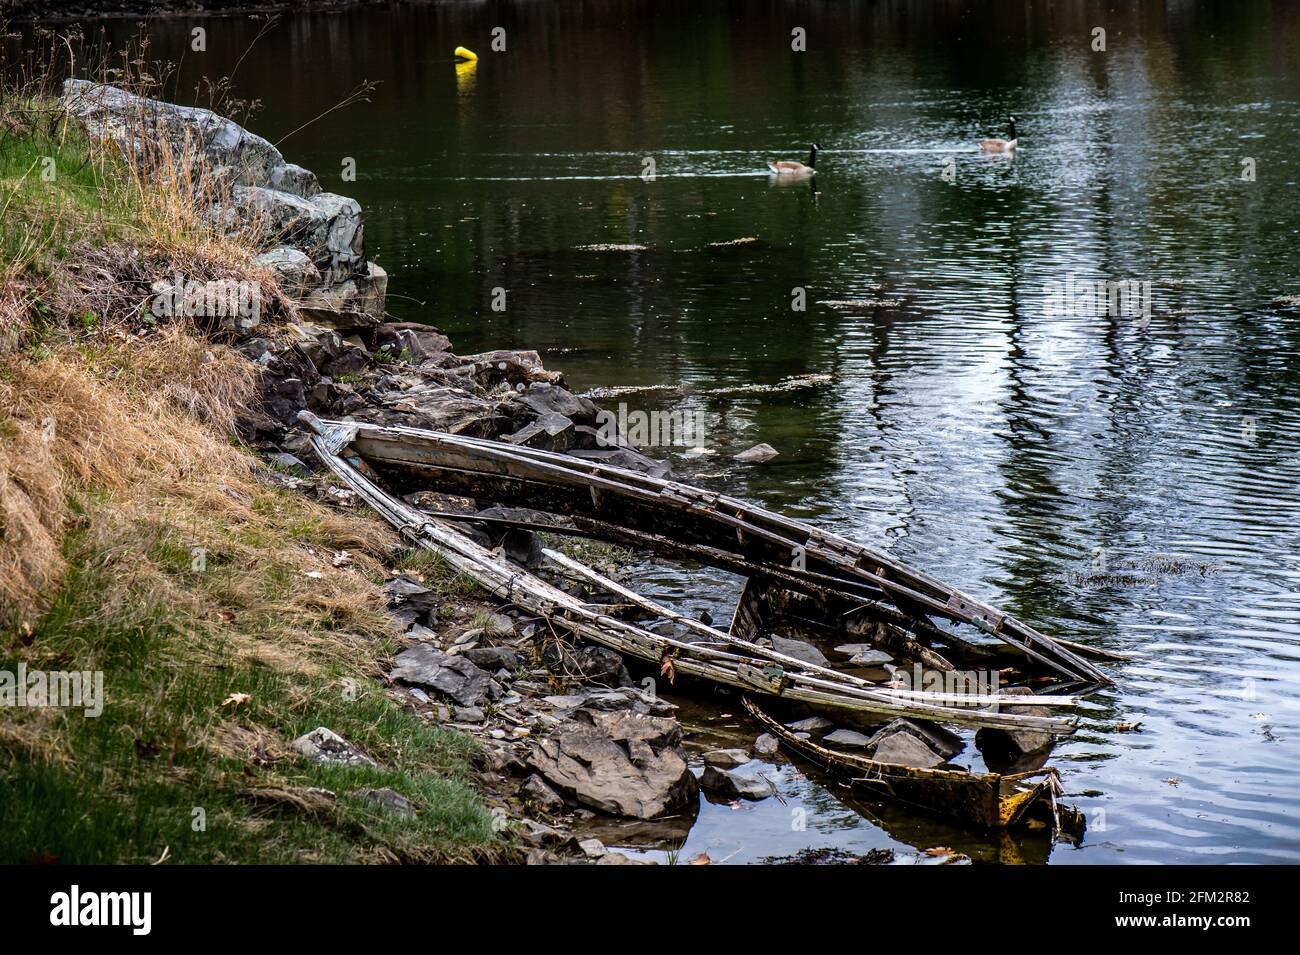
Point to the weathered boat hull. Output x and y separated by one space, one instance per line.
982 800
720 658
722 529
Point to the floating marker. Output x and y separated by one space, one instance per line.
465 54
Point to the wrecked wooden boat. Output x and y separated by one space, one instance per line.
715 656
799 574
982 800
830 587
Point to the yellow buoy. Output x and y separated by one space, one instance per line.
465 54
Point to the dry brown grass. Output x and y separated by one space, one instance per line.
130 448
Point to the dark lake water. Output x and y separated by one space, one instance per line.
966 420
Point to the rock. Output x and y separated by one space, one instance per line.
546 398
292 178
550 432
356 302
598 665
542 797
863 654
592 848
468 640
621 763
495 658
284 461
318 344
389 799
870 658
944 742
605 700
467 714
295 273
281 398
625 458
540 834
906 750
799 649
846 739
338 244
811 725
504 762
455 676
1010 745
422 341
326 746
436 407
512 369
107 112
767 746
726 758
351 360
733 786
757 454
418 631
407 592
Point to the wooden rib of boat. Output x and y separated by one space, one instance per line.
983 800
714 655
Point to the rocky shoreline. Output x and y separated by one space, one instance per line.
566 733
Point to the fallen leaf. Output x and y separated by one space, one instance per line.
1128 727
702 859
235 699
342 559
938 851
1172 780
666 668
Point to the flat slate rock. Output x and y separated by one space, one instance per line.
731 785
456 676
939 740
847 739
726 758
811 725
907 750
799 649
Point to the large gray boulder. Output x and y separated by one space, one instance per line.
256 185
622 763
205 139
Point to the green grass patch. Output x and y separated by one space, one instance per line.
172 768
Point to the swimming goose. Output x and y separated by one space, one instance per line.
789 168
1001 145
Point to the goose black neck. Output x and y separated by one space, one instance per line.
812 157
1013 129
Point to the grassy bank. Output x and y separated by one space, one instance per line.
137 538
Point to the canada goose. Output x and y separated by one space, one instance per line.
1001 145
786 167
